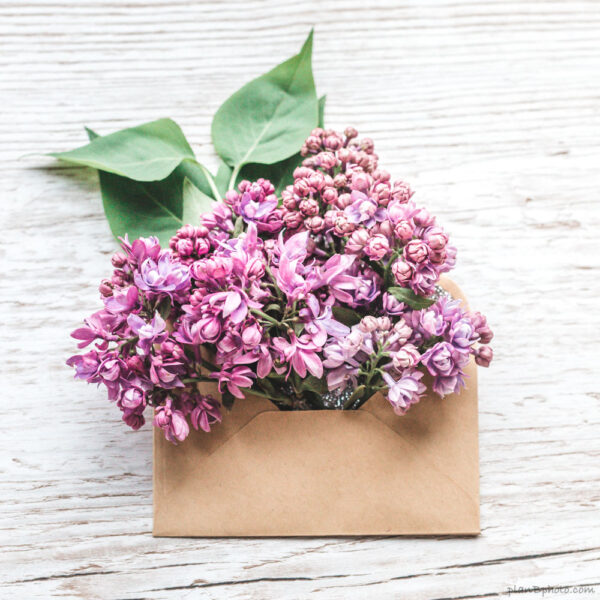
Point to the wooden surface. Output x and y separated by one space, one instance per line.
491 110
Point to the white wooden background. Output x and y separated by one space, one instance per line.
490 108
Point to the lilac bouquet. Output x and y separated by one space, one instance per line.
316 294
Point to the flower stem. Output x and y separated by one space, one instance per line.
211 182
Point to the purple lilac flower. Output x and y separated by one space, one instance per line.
234 378
206 413
148 333
404 392
172 422
164 276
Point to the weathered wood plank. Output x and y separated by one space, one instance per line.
489 108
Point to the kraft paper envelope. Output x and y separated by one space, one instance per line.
266 472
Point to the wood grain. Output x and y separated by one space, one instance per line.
491 110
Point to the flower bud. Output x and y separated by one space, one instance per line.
404 230
314 224
377 247
326 160
360 181
405 358
401 192
416 251
369 324
309 207
350 133
292 220
357 241
483 356
185 247
329 195
344 200
105 288
252 336
401 271
119 260
384 324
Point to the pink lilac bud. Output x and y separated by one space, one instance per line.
423 218
302 173
292 220
133 399
381 175
384 323
119 260
385 227
314 224
360 181
340 180
377 247
401 271
252 336
313 143
209 329
342 226
437 257
289 202
316 180
403 331
369 324
345 155
135 363
436 238
483 356
309 207
344 200
133 419
404 230
350 133
326 160
105 288
416 251
357 241
118 279
401 192
329 195
405 358
333 142
301 187
201 246
367 145
185 247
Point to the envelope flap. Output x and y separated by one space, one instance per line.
308 473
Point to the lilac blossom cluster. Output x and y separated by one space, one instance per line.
328 290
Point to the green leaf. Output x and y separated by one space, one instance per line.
140 209
345 315
222 178
311 383
268 119
195 203
407 296
280 174
149 152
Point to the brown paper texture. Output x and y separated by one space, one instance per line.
265 472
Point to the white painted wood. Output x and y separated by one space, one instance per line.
491 110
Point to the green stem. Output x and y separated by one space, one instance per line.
211 182
263 315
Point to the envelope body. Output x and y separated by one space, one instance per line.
266 472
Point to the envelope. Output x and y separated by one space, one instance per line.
266 472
